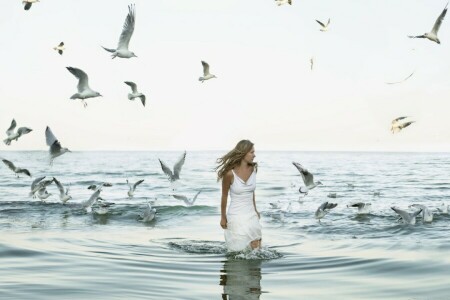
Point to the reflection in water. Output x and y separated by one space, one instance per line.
241 279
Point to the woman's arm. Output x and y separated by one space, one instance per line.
226 183
254 205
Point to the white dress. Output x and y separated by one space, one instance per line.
242 221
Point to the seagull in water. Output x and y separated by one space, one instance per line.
427 215
135 93
15 135
396 126
432 36
15 169
148 214
206 74
60 48
133 187
63 194
38 184
102 206
363 208
308 179
43 194
281 2
84 91
176 168
408 218
95 187
323 26
125 37
443 208
55 146
27 3
188 202
324 209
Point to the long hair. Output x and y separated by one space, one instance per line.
233 158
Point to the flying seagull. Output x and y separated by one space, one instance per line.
363 208
408 218
60 48
11 135
133 187
38 184
311 62
55 146
15 169
396 126
281 2
63 193
27 3
206 74
148 214
125 37
323 26
88 203
324 209
432 36
308 179
135 93
84 91
395 82
176 168
188 202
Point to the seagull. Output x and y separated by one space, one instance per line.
308 179
102 206
125 37
63 194
94 187
427 215
27 3
408 218
15 169
206 74
133 187
84 91
396 126
281 2
432 36
55 146
11 135
60 48
324 27
363 208
188 202
176 168
135 93
324 209
148 214
43 194
409 76
88 203
38 184
332 195
311 62
276 205
443 209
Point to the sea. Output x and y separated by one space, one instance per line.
51 250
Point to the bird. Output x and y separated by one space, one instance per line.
444 208
55 146
60 48
188 202
275 205
94 187
281 2
324 209
27 3
407 217
323 26
43 194
308 179
396 126
133 187
63 194
87 205
332 195
363 208
206 74
148 214
176 168
84 91
395 82
311 62
427 215
135 93
38 184
15 169
102 206
432 36
15 135
125 37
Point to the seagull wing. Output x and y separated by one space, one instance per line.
402 213
50 137
61 44
128 28
177 167
93 198
182 198
406 124
358 204
330 205
24 171
27 5
36 181
439 20
321 24
205 68
195 197
137 183
409 76
308 178
132 85
9 164
142 99
83 79
166 169
24 130
10 130
60 186
398 119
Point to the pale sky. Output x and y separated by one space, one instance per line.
265 90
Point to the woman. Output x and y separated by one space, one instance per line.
238 173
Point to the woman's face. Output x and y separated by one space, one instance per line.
250 156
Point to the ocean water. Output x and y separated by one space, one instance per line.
53 251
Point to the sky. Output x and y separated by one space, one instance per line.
260 52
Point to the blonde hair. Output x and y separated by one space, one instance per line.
233 158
